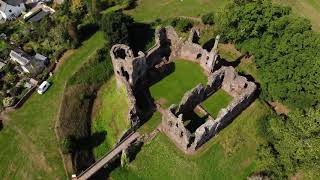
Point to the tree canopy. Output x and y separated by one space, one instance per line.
115 26
284 47
293 143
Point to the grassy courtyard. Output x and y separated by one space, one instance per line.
216 102
29 148
148 10
230 155
171 89
112 116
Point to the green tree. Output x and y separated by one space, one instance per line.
283 47
293 143
116 28
208 18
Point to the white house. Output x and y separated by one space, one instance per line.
29 64
38 12
10 9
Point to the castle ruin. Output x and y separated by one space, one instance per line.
137 72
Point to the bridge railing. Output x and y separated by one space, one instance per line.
104 156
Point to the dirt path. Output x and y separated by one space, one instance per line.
191 18
279 108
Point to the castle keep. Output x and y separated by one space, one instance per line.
137 72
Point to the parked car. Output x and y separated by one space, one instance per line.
43 87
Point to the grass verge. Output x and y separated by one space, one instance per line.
112 116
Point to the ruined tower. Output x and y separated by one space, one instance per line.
128 68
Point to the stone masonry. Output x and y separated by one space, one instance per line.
131 71
226 78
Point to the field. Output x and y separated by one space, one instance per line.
112 112
171 89
230 155
216 102
29 148
149 10
306 8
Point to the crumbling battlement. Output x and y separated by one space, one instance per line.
127 67
133 72
131 69
175 127
226 78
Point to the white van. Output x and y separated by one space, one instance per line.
43 87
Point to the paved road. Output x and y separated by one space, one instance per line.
106 158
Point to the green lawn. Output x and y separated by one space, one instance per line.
216 102
306 8
230 155
3 45
148 10
172 88
29 148
112 116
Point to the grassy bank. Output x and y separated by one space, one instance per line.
111 116
74 125
29 145
230 155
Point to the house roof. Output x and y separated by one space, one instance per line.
40 57
21 57
14 2
2 64
3 6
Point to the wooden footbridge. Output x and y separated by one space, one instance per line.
84 175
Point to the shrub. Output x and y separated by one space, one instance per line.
15 91
12 78
174 22
182 25
124 159
156 22
116 27
208 18
96 71
9 101
67 145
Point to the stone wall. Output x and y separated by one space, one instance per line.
226 78
174 128
127 67
169 46
130 69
